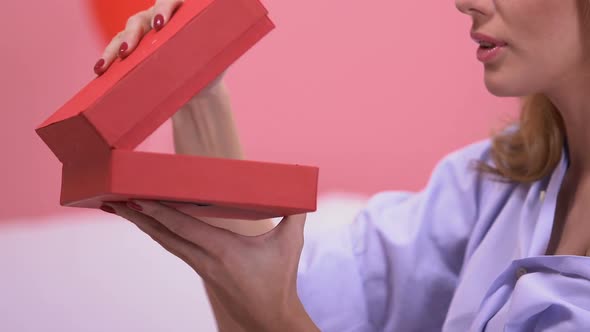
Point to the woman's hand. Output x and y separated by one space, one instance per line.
253 278
251 281
125 42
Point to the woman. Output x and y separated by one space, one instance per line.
497 241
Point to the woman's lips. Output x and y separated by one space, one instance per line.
489 47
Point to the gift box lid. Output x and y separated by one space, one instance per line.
136 95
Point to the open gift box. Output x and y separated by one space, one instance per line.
95 132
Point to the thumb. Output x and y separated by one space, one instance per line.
292 226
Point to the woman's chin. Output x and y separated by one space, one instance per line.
502 88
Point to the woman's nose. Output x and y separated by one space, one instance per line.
463 5
474 7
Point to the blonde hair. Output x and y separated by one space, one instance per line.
532 149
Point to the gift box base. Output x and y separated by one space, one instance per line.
198 186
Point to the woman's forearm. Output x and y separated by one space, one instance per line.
205 126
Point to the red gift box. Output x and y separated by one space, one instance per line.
95 132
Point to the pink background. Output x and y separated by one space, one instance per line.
374 93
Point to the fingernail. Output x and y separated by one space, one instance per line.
123 50
158 22
108 209
98 66
134 206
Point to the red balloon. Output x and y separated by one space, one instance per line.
112 15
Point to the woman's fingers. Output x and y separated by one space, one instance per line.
163 11
137 26
201 234
125 41
181 248
109 55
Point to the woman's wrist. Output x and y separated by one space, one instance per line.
295 319
215 89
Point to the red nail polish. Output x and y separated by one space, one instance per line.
98 66
123 50
134 206
158 22
108 209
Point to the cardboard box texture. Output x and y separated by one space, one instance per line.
95 132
